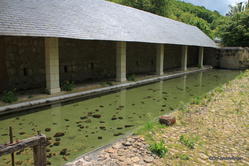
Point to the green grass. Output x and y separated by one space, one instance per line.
159 149
183 157
197 100
190 142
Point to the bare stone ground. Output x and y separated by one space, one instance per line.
218 126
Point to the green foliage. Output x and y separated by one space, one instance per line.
196 100
131 77
236 31
67 86
183 157
198 22
159 149
109 83
9 96
149 126
159 7
188 141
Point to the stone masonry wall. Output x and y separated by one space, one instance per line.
227 57
86 60
141 58
25 62
22 61
211 57
3 69
193 55
172 57
234 58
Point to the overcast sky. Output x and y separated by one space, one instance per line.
219 5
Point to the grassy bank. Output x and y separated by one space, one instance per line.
215 125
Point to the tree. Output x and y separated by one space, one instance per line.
196 21
159 7
236 31
239 7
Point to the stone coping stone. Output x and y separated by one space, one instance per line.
89 93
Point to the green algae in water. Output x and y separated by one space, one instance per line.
89 124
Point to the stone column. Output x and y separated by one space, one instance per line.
184 58
200 59
52 65
121 62
159 59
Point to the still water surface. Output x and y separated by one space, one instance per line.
89 124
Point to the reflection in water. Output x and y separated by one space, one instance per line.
184 82
82 126
200 80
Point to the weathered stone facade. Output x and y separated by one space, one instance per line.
211 57
82 60
234 58
23 60
227 57
193 53
3 69
172 57
141 58
25 64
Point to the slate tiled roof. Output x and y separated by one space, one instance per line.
94 20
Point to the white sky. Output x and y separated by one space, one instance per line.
219 5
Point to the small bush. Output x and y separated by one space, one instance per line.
196 100
189 142
9 96
159 149
67 86
131 77
109 83
183 157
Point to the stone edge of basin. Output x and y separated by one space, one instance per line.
93 154
52 100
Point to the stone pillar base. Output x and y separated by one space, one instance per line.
53 91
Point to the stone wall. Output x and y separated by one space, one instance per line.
234 58
172 57
141 58
82 60
227 57
25 65
193 55
211 57
22 61
3 69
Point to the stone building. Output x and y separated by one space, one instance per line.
44 43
